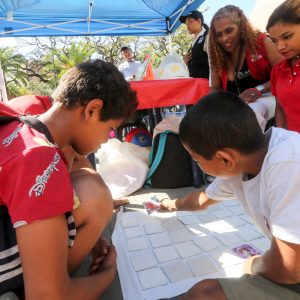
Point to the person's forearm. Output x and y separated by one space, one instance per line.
267 266
193 202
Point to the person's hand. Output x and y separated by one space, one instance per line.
167 204
187 58
118 203
110 260
247 267
250 95
98 254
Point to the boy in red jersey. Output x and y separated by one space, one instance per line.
37 188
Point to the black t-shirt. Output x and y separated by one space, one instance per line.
198 65
244 80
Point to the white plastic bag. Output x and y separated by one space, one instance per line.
172 66
123 166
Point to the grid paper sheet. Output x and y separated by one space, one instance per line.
164 254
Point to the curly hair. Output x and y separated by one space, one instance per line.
97 80
288 12
248 36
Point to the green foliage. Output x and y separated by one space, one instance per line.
50 59
66 58
13 65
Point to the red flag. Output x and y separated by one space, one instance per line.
149 74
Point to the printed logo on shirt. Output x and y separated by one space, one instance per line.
41 180
256 57
8 140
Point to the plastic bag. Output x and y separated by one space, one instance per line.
123 166
172 66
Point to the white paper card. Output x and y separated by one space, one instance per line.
160 239
153 227
172 224
248 233
246 218
138 243
219 226
177 271
263 244
151 278
181 235
235 221
165 254
223 213
229 238
215 207
134 232
230 203
206 218
238 210
188 220
226 257
197 229
187 249
202 265
130 220
207 243
141 261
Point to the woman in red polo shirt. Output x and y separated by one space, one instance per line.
284 29
241 58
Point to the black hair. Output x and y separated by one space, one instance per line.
125 48
221 120
97 80
287 12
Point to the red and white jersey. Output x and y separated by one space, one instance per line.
34 180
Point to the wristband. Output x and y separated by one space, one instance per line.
258 92
260 88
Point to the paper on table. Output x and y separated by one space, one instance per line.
160 239
187 249
177 271
166 253
143 261
221 260
202 265
152 278
181 235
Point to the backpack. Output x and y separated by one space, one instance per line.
140 137
170 163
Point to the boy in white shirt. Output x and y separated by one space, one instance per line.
262 171
129 68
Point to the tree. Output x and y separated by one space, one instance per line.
13 68
66 58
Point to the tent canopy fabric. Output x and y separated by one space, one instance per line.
92 17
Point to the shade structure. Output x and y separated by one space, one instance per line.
24 18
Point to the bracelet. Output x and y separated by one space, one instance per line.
259 93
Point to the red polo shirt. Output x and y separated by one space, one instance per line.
285 83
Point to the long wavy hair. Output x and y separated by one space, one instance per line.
248 36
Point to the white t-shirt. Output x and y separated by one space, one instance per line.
272 198
129 68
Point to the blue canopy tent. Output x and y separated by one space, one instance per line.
24 18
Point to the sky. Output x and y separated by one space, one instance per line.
257 11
